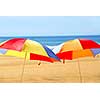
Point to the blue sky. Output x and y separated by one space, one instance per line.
49 25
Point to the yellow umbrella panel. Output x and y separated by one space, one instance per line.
25 47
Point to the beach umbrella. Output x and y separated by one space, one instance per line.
30 47
77 48
27 49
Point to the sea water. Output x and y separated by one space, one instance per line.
54 40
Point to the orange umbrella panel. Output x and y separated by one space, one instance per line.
75 54
82 53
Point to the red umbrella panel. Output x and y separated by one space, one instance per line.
35 50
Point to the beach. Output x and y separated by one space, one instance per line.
11 71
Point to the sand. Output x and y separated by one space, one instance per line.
11 71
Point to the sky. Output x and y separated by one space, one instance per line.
49 25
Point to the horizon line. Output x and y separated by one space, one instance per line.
48 35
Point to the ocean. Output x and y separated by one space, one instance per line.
54 40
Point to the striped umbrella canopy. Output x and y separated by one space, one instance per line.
28 49
77 48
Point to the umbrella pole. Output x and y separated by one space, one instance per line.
63 61
80 74
23 67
